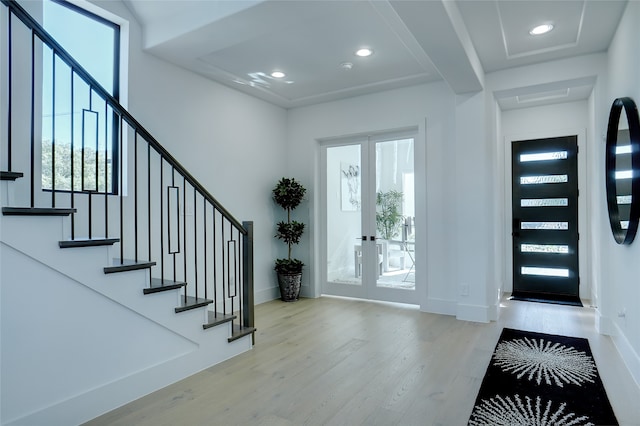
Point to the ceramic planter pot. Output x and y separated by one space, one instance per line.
289 286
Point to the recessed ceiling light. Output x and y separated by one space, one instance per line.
278 74
541 29
364 52
346 65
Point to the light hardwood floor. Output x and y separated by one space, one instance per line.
347 362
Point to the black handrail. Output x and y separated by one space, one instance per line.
32 24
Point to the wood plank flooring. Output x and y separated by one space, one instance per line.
332 361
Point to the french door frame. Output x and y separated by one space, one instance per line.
585 181
368 288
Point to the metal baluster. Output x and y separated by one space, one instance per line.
149 196
90 206
224 276
215 267
33 118
82 183
106 169
184 222
161 221
237 277
9 90
195 241
120 167
97 159
204 224
90 219
135 191
173 183
229 266
73 216
53 128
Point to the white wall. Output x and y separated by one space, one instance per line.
545 119
472 233
619 289
231 142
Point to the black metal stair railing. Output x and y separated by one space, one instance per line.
124 187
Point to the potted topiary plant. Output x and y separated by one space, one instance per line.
288 194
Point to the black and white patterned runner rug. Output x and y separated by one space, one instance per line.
542 379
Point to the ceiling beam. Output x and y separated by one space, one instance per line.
438 28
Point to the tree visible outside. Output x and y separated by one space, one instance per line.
86 178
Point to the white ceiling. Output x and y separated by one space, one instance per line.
239 43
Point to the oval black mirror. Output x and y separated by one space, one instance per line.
622 168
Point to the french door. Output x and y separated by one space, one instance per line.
369 221
545 218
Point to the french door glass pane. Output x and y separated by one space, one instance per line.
395 213
344 248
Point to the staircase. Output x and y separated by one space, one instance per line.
122 277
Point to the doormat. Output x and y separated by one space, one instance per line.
547 298
541 379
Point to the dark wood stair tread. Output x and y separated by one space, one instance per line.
192 303
239 332
127 265
216 318
37 211
88 242
4 175
158 285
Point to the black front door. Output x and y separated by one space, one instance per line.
545 218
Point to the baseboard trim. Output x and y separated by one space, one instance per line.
266 295
440 306
474 313
604 324
629 356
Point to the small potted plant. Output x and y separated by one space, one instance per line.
288 194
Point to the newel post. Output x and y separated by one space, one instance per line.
247 278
